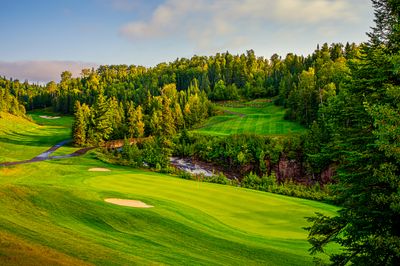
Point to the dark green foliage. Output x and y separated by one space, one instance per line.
269 183
242 154
131 154
79 127
151 152
155 153
220 77
223 92
162 115
8 102
364 120
251 181
218 179
233 151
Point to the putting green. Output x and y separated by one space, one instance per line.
57 207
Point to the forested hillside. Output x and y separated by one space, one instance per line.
360 130
347 97
301 83
8 101
120 101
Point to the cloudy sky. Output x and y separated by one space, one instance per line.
41 38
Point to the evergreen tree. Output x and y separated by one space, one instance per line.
131 120
167 119
117 117
366 126
135 121
140 126
101 121
79 125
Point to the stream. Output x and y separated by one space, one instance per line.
188 166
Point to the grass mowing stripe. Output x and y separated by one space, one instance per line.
60 205
253 120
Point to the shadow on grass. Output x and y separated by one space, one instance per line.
52 136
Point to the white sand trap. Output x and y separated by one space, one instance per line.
99 170
128 203
49 117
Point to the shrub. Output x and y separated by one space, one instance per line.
185 175
218 179
251 181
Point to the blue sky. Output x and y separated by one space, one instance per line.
43 37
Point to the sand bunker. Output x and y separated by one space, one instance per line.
99 170
49 117
128 203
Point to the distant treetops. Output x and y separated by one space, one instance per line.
163 115
299 83
8 101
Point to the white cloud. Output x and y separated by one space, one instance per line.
220 23
41 71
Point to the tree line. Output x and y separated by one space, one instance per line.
163 115
348 96
359 130
299 83
8 101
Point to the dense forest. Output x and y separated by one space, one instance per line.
360 127
116 102
299 83
348 96
8 99
120 101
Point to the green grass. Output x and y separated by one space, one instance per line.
21 139
56 209
264 118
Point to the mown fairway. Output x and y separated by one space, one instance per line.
53 212
21 139
256 117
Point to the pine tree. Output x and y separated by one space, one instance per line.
102 123
140 126
117 116
366 126
131 120
79 125
135 121
167 119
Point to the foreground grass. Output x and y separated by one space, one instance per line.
57 208
253 117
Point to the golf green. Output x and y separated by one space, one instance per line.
54 212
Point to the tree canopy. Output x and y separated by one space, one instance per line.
364 122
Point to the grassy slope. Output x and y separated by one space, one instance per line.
57 207
21 139
265 120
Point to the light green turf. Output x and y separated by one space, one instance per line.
21 139
265 118
60 205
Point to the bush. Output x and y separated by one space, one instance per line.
269 183
218 179
185 175
154 154
251 181
132 155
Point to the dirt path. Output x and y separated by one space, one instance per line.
46 155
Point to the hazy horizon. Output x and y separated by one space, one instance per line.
46 37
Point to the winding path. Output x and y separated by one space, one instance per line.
46 155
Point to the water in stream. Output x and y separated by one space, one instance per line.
187 166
